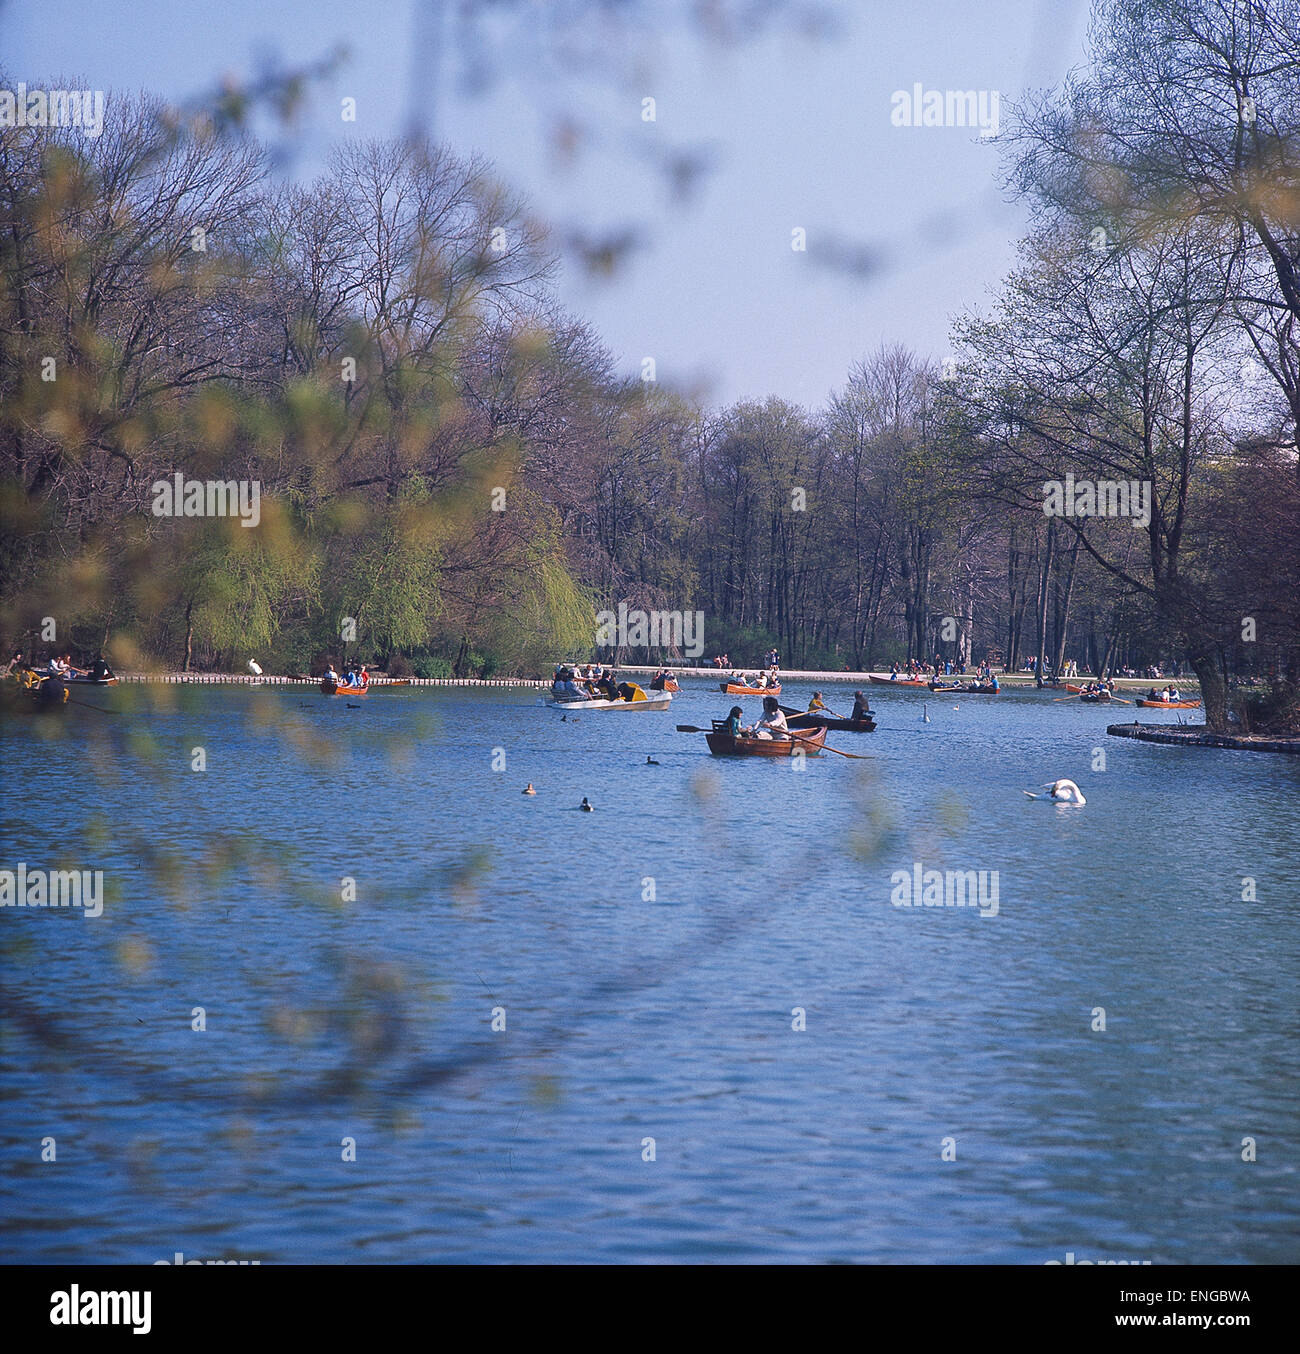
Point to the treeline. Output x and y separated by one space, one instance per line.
454 476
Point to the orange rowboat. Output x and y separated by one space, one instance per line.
342 688
728 745
734 689
1172 705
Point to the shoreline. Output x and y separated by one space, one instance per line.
709 677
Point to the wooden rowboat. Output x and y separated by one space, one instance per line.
734 689
1172 705
966 690
666 684
898 681
342 689
728 745
91 681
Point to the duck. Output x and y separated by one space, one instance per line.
925 714
586 806
650 761
528 789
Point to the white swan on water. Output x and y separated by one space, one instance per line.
1061 791
254 668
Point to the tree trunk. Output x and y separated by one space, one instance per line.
189 635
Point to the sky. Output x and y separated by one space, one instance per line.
904 226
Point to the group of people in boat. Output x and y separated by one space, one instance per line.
589 682
1104 687
352 677
985 683
770 724
1169 694
58 666
770 677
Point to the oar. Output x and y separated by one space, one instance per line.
856 756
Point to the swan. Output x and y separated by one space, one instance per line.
253 667
1061 792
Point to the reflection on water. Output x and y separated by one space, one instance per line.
355 998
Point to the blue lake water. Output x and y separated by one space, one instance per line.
648 958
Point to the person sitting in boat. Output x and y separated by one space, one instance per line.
732 724
350 679
771 723
363 677
331 675
816 703
1173 694
993 683
15 664
861 710
608 687
100 670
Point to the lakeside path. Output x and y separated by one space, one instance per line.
706 676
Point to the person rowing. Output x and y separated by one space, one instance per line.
861 710
771 723
816 703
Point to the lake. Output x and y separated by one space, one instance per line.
718 1038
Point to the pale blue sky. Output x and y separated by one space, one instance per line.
799 132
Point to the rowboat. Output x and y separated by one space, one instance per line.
897 681
32 694
332 688
91 681
1172 705
735 689
664 684
815 720
966 690
730 745
661 700
1095 697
